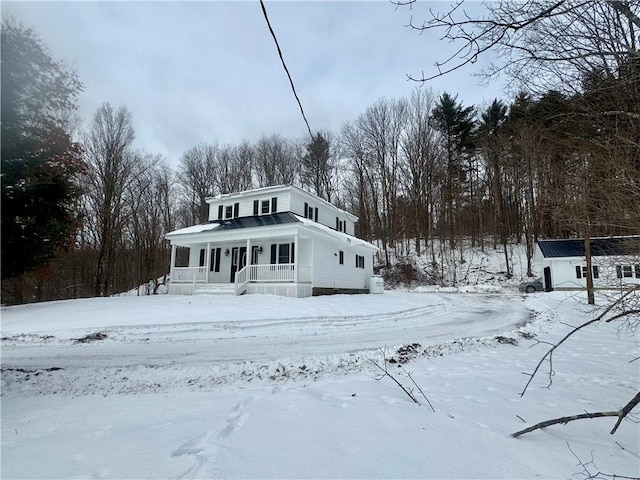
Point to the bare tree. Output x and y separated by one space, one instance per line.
151 217
111 165
542 44
420 167
276 161
196 178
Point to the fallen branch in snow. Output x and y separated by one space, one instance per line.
385 373
420 390
598 475
621 414
549 355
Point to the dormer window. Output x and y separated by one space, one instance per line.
228 213
265 207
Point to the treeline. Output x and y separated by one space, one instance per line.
83 214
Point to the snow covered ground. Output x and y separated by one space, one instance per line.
273 387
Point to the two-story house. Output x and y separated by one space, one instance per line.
278 240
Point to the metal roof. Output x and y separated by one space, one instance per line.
257 221
600 247
236 223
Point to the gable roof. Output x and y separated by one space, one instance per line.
600 247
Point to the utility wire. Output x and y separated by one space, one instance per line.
264 11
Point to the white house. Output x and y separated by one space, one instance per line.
615 262
280 240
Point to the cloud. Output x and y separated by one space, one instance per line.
194 72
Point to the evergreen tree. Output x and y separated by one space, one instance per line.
39 158
317 170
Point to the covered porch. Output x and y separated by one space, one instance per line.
276 265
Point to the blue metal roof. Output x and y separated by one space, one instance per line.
256 221
600 247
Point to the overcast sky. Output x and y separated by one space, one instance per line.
193 72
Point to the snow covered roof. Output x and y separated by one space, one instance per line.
344 237
600 247
194 229
274 219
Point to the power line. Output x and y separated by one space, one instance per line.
266 17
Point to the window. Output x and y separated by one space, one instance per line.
337 224
214 264
255 250
256 205
228 213
341 257
236 210
624 271
265 206
307 211
581 272
220 209
359 261
202 254
282 253
637 271
274 204
316 214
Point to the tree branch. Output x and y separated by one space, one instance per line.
580 327
621 414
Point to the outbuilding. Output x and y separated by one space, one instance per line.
615 262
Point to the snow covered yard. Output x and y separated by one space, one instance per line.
271 387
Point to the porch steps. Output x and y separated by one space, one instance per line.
213 289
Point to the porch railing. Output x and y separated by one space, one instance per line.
283 272
241 280
189 274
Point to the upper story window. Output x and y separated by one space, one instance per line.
341 225
229 211
265 207
359 261
310 212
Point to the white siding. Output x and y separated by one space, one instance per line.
327 271
564 276
326 214
246 204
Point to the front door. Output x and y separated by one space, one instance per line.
238 261
548 286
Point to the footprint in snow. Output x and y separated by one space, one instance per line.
205 448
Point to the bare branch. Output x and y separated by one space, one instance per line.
621 414
578 328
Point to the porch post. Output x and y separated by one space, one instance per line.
296 256
173 260
208 262
247 262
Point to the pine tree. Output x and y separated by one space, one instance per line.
39 158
